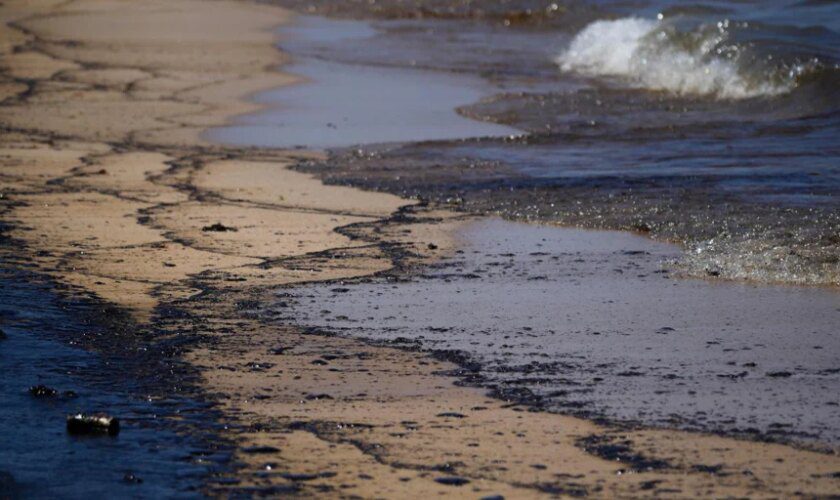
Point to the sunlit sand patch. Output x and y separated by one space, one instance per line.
72 222
275 184
248 231
36 65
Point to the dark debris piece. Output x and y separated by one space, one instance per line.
297 477
452 480
254 450
42 391
130 478
315 397
451 414
218 228
83 424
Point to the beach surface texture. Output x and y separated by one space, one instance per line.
108 187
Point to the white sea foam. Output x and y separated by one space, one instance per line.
654 55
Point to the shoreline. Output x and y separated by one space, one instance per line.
584 296
152 256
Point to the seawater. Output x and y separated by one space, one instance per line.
714 124
38 459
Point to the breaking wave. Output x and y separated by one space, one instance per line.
656 55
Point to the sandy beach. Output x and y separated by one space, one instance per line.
110 187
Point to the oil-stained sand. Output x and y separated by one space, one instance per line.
107 187
593 323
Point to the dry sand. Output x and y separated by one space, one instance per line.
108 187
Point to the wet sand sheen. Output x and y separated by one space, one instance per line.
592 323
338 105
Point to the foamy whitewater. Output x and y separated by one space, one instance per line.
655 55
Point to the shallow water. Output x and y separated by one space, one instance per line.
341 104
39 459
716 126
591 322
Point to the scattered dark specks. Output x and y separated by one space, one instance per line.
619 450
259 450
258 367
779 374
451 414
452 480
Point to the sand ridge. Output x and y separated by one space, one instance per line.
108 186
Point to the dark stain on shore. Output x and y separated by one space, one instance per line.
218 228
617 448
452 480
519 384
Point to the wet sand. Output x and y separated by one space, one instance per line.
108 187
596 323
